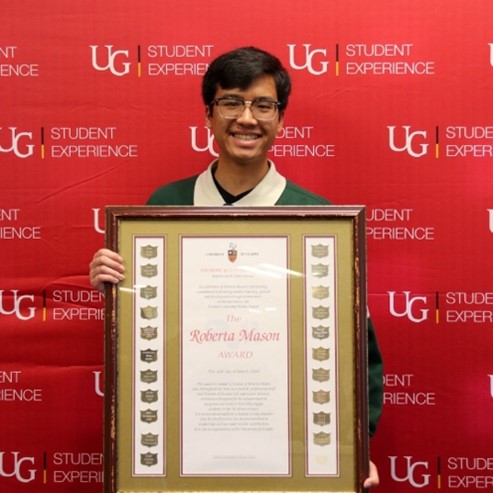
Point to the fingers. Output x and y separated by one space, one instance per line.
373 478
106 266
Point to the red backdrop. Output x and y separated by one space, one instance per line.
392 108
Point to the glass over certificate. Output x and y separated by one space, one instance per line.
235 350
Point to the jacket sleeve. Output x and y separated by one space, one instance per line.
375 379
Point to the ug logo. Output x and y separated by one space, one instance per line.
410 146
409 310
414 474
15 146
96 221
16 467
309 61
209 146
98 377
111 60
21 312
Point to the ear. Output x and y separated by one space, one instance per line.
280 122
208 117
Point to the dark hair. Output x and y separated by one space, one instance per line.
239 68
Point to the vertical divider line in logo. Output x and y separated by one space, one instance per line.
42 142
437 143
44 468
337 60
439 473
437 307
44 305
139 64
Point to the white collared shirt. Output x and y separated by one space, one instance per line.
266 193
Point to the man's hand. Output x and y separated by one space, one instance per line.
372 479
106 266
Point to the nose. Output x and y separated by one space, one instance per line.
247 114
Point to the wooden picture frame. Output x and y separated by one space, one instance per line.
235 350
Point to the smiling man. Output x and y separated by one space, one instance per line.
245 93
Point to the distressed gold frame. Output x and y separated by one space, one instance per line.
347 226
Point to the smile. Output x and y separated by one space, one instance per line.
245 137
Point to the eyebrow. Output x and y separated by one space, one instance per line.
241 98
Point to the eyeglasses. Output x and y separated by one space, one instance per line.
261 108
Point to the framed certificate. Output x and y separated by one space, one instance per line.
235 350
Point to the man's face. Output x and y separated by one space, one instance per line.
245 140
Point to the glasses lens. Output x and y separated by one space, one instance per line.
264 109
230 108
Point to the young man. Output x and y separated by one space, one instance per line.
245 93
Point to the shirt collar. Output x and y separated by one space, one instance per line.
266 193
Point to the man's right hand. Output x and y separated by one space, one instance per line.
106 266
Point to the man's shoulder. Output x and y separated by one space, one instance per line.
293 194
178 192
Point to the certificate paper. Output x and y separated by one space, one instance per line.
234 356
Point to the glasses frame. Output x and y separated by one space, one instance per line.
244 102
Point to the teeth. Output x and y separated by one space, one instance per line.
245 137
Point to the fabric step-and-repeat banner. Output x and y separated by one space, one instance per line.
392 108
